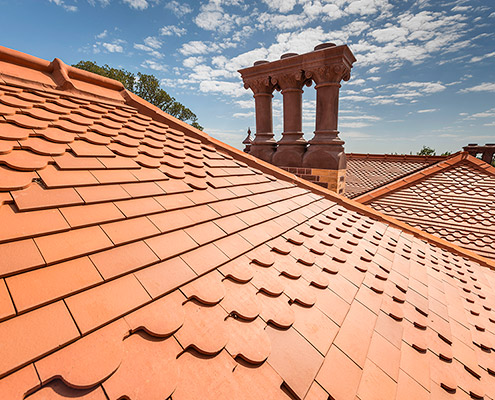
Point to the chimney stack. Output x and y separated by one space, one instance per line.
322 160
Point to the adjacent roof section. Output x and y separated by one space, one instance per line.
453 200
142 261
366 172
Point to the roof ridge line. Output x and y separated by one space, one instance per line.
61 73
147 108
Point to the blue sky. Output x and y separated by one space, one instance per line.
425 70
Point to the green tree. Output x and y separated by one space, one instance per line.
426 151
145 86
447 153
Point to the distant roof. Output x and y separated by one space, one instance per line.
366 172
142 259
453 199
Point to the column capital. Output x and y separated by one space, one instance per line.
331 73
259 85
295 79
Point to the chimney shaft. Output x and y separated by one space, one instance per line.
327 66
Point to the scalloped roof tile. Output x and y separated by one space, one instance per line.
142 259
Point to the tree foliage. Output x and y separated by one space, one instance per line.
426 151
145 86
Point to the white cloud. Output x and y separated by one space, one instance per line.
194 47
353 124
483 87
359 117
152 42
154 65
249 114
103 3
66 7
225 88
200 47
462 8
113 47
280 5
179 9
479 58
137 4
152 52
484 114
191 62
367 7
430 110
102 35
171 30
390 34
213 17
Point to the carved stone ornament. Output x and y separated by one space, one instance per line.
289 80
330 73
259 85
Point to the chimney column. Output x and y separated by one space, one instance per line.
292 146
263 145
326 149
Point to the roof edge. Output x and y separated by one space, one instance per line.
423 173
58 76
150 110
395 157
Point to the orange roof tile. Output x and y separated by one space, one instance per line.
141 258
366 172
452 199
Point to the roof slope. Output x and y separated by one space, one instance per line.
145 262
453 199
366 172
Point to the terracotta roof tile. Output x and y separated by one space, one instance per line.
451 199
366 172
141 258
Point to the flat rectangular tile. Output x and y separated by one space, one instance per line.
41 330
51 283
171 220
71 244
35 197
18 225
130 230
94 194
96 307
108 176
123 259
136 207
205 258
54 178
19 256
89 214
205 232
141 189
7 309
171 244
166 276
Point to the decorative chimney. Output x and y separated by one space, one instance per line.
487 151
322 160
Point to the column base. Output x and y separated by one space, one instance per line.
325 156
263 151
326 151
290 150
